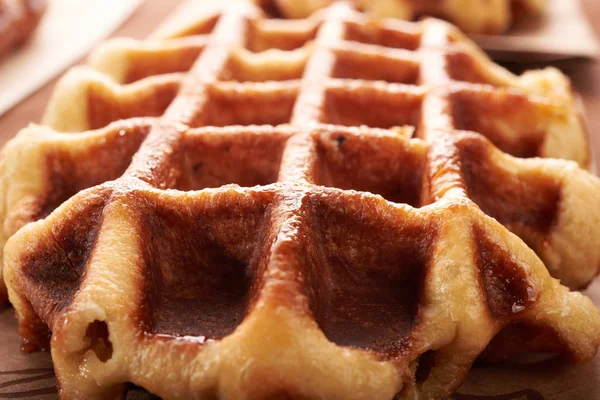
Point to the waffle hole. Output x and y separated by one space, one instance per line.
145 59
200 266
507 288
375 67
425 365
510 121
366 276
146 98
526 203
463 66
280 34
35 333
272 65
55 263
523 343
383 36
237 105
97 334
204 26
362 106
271 9
107 159
213 159
384 165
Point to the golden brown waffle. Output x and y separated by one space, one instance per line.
18 20
263 225
473 16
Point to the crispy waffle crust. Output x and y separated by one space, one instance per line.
236 210
18 20
473 16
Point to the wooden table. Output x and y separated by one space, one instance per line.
584 74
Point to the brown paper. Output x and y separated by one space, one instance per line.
562 32
25 375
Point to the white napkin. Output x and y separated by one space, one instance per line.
66 33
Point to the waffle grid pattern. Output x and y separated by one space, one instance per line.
322 254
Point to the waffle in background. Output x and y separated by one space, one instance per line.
522 31
472 16
18 21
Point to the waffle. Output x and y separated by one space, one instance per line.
324 208
473 16
18 20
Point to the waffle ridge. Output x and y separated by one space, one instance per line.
289 237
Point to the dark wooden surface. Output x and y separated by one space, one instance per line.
584 74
